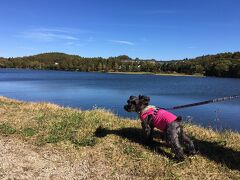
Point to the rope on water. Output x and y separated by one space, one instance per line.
205 102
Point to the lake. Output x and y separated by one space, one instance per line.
87 90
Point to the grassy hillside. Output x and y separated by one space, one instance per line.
113 146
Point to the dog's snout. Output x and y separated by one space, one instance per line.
132 103
126 107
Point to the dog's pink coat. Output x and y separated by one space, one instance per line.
161 119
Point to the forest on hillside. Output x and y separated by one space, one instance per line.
219 65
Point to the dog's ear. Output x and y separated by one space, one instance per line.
132 97
144 99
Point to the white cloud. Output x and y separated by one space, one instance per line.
60 30
122 42
45 34
70 43
65 30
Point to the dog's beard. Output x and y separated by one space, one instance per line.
129 108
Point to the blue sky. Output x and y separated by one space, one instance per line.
158 29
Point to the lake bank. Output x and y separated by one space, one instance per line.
160 74
100 144
117 72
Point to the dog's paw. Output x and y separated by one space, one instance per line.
190 152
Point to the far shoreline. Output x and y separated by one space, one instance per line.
158 74
118 72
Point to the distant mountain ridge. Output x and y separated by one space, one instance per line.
220 65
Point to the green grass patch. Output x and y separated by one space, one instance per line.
28 132
6 129
128 149
85 141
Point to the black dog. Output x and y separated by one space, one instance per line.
165 121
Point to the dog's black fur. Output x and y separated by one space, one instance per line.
174 133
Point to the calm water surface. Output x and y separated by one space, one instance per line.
110 91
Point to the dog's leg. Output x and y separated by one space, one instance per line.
172 134
147 125
188 142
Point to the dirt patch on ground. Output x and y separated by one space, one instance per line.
20 160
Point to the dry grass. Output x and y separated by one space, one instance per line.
114 146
